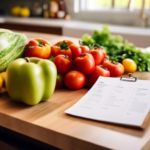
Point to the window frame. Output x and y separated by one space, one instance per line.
82 7
129 17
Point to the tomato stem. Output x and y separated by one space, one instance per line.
82 43
83 54
67 57
106 59
103 67
41 43
64 46
96 46
115 63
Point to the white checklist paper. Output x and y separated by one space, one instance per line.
116 101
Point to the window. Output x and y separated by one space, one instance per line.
94 5
98 4
121 12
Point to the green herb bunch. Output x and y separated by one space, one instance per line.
118 48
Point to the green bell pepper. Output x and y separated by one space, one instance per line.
31 80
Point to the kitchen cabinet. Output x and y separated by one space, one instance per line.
32 28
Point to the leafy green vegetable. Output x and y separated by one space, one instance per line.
11 47
118 48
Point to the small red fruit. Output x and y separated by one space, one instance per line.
75 50
98 55
63 64
116 69
98 71
85 63
85 49
74 80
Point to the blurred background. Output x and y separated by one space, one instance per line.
123 12
129 18
34 8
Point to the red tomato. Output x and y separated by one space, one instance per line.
59 81
62 47
38 48
66 41
98 55
116 69
55 51
76 51
74 80
63 64
104 52
85 49
98 71
85 63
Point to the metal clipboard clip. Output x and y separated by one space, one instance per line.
130 79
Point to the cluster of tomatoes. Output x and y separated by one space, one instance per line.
81 66
76 66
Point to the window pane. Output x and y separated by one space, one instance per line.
121 3
98 4
138 3
103 3
95 4
147 4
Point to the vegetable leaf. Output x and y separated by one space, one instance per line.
118 48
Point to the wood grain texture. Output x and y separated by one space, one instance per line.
48 123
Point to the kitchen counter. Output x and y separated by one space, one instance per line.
73 24
48 123
137 35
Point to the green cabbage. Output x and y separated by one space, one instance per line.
11 47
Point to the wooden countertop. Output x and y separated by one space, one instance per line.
48 123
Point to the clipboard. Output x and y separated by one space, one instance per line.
134 79
88 106
129 79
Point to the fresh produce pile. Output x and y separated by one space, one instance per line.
118 48
81 66
31 79
42 68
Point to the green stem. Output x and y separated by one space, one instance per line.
64 46
27 59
